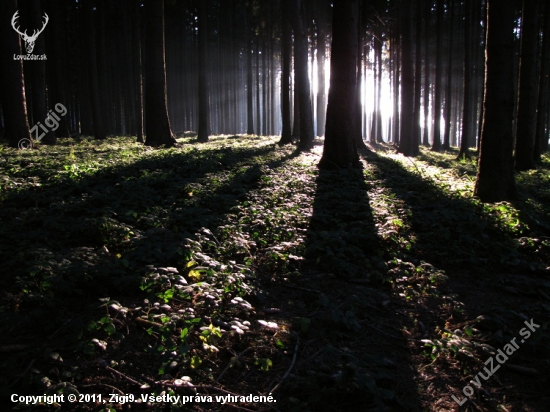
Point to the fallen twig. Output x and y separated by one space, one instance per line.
129 379
272 391
114 388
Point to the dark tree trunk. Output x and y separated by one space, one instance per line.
407 143
37 71
12 94
249 84
157 126
495 178
321 60
137 67
449 85
97 120
426 132
339 150
302 77
286 134
541 138
204 114
58 69
528 87
418 77
467 108
436 145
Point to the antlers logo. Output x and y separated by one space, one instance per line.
29 40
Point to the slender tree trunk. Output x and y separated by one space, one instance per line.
286 134
204 104
58 68
467 108
528 87
417 131
541 140
339 150
407 142
436 145
449 85
157 126
426 133
321 60
38 74
495 178
97 120
249 85
301 73
137 67
12 89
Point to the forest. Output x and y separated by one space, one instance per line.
274 205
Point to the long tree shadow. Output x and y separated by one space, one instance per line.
69 243
351 364
457 267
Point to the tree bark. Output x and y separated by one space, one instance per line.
407 144
467 108
204 110
339 150
286 134
495 178
157 126
93 84
541 138
321 60
436 145
302 77
38 74
12 88
528 87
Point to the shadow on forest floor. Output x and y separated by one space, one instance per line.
240 267
470 275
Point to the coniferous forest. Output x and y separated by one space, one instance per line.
283 205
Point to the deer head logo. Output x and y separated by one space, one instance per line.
29 40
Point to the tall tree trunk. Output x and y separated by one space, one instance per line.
97 119
417 131
58 66
426 104
302 77
528 86
467 108
38 74
321 61
12 89
157 126
407 142
286 134
249 85
436 145
541 139
137 67
495 178
204 109
339 150
449 85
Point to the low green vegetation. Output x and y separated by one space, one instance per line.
237 267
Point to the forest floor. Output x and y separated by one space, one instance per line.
223 271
